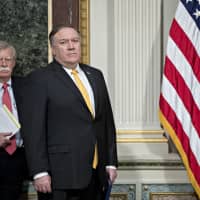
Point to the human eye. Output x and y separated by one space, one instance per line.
62 42
8 59
75 40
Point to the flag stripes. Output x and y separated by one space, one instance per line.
184 93
188 25
181 115
186 47
183 139
180 93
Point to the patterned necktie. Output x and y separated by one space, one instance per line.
6 100
86 97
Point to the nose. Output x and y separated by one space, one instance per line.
70 45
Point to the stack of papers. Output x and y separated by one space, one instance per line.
8 122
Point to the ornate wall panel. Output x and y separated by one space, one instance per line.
174 196
123 192
168 192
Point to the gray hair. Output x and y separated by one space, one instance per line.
57 29
6 45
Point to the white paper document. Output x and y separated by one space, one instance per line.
8 122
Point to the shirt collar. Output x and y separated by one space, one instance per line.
9 82
70 70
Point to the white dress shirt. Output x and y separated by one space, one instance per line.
19 141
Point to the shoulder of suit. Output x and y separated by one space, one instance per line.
18 83
18 79
38 75
89 68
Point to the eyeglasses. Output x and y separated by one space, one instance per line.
7 60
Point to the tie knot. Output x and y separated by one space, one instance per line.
74 72
5 86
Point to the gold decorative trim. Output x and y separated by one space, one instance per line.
142 140
119 196
31 196
121 131
158 195
84 30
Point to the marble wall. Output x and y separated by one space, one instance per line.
24 23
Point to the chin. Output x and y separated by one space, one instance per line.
5 74
73 62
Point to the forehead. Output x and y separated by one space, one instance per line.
66 33
6 52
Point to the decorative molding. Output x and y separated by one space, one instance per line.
168 191
122 132
142 140
173 195
118 196
84 30
148 136
151 165
141 136
123 192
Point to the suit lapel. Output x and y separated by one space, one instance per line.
68 82
91 78
66 79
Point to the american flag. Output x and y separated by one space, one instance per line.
180 93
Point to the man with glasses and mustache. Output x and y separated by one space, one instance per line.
12 157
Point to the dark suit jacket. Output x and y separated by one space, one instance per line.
15 165
59 130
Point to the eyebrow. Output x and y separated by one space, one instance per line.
68 38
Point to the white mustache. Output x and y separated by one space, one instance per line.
7 69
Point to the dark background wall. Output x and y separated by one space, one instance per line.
24 23
66 12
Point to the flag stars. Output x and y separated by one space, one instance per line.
197 13
187 1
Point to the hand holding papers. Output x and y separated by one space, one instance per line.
8 122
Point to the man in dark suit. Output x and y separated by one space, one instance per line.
69 131
13 169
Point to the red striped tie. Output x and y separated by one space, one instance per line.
7 101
